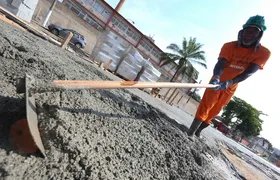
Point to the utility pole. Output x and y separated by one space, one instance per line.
119 5
49 13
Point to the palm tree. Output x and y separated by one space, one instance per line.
184 58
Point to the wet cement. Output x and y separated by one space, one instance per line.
91 134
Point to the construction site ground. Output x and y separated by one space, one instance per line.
104 134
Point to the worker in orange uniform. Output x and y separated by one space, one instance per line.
237 61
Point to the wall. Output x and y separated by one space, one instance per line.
98 9
7 5
23 10
26 9
65 17
179 100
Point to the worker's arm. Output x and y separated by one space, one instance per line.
251 69
219 67
218 71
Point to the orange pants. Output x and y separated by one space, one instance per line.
212 103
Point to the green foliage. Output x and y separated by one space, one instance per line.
187 55
247 117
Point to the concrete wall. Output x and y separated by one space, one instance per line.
65 17
179 99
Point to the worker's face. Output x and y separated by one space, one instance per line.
250 35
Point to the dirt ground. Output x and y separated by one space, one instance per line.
92 134
247 170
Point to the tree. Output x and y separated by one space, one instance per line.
184 57
247 117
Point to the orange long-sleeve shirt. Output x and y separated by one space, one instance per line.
239 58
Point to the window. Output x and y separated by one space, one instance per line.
75 35
122 26
93 23
146 46
83 15
159 55
89 20
136 37
75 9
143 44
129 32
98 7
90 1
155 53
82 37
68 4
102 10
132 35
106 14
115 21
82 2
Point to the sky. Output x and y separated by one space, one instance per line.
213 23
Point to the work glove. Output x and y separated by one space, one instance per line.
224 85
215 80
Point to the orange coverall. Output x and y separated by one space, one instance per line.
238 59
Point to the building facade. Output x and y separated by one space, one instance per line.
261 146
92 18
102 16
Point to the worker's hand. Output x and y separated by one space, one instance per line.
215 80
224 85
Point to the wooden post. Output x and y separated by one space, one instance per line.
66 40
171 95
101 64
36 17
139 73
108 65
174 97
167 93
122 58
180 99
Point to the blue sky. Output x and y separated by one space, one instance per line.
213 23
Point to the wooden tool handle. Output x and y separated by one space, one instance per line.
87 84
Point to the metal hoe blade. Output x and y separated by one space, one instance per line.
31 114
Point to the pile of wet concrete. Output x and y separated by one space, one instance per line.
89 134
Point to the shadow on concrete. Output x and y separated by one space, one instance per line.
11 110
137 110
